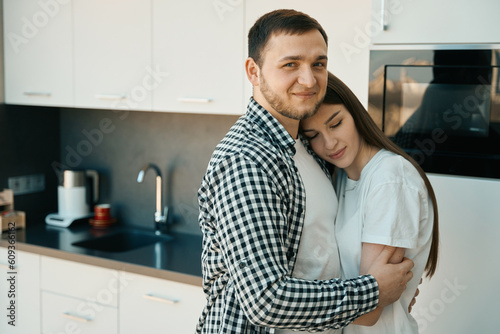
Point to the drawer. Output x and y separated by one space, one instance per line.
79 280
160 304
61 314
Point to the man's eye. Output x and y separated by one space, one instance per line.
320 65
289 65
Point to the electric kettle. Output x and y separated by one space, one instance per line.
76 195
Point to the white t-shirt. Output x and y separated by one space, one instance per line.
388 205
317 257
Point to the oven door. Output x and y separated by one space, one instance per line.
444 112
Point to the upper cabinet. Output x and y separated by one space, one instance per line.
198 49
154 55
112 43
432 22
38 52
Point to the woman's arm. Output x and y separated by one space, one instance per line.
369 253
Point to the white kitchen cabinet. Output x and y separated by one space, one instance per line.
431 22
112 54
25 295
198 47
152 305
62 314
78 297
462 297
343 21
38 52
79 280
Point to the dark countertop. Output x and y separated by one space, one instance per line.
178 259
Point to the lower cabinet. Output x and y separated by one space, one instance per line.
152 305
63 314
19 292
54 296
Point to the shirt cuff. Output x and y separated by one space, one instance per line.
369 294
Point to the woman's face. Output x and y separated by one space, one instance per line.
334 137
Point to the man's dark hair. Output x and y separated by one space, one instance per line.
286 21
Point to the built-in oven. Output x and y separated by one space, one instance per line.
441 104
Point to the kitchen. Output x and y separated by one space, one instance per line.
117 138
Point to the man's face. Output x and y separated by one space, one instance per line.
293 74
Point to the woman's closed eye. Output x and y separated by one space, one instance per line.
335 124
311 136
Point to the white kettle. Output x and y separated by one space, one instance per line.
76 195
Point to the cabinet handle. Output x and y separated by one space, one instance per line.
172 301
42 94
382 16
111 96
195 100
6 266
76 317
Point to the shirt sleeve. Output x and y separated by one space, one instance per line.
393 214
251 218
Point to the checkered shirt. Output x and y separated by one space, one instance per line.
252 204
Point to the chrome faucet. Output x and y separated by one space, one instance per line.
160 218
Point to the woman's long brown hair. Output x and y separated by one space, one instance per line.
338 93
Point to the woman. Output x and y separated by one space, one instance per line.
385 198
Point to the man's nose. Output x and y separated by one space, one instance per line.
306 77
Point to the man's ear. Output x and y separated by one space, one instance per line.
253 71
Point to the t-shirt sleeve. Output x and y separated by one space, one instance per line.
393 214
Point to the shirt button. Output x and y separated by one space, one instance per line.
242 264
289 254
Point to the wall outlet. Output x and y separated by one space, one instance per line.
27 184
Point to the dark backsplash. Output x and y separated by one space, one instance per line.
29 143
116 144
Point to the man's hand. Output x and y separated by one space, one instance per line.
391 278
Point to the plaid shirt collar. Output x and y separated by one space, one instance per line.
267 123
279 136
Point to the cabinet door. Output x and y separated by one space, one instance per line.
199 46
113 54
162 306
348 50
38 52
20 291
94 284
431 22
62 314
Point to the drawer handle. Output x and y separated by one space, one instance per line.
42 94
172 301
195 100
8 267
68 315
111 96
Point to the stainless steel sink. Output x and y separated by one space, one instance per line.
122 241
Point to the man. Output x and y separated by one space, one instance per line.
253 202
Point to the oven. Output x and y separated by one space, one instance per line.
441 104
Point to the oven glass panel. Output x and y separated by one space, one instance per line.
443 113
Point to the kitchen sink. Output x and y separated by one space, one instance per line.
122 241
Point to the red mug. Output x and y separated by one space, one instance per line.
102 212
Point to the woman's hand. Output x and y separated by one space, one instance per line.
414 300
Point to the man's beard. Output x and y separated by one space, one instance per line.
282 107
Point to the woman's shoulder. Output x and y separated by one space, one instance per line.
389 167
